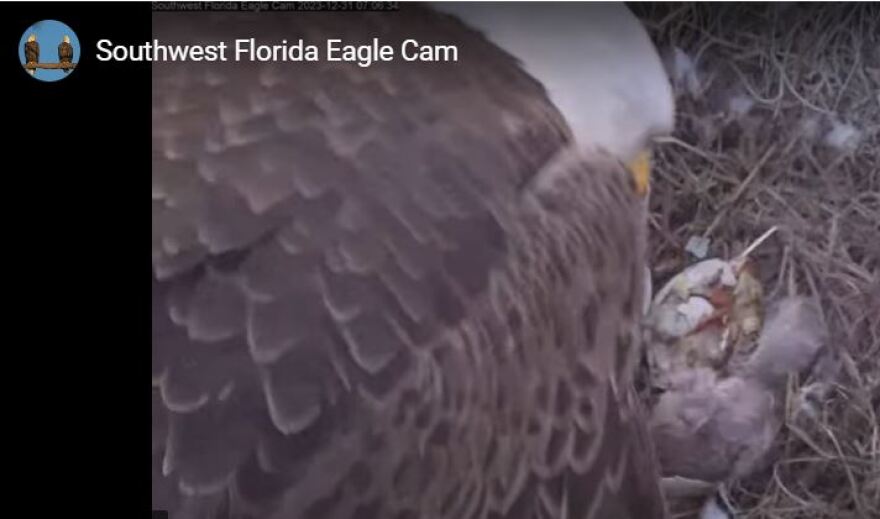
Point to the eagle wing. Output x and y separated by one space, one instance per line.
65 52
32 52
364 307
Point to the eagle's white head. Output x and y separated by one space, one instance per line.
32 37
598 65
66 39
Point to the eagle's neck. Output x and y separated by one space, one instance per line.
596 62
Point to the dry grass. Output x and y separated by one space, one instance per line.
730 176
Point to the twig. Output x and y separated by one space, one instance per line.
691 148
755 244
848 470
739 191
32 66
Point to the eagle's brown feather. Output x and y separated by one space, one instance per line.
365 305
65 54
31 52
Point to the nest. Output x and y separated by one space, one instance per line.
779 125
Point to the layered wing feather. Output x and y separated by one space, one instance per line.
362 306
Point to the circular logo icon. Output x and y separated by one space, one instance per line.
49 50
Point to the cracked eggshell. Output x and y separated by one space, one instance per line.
697 279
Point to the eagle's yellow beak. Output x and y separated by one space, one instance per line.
640 168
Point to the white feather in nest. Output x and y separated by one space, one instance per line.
842 136
683 71
712 510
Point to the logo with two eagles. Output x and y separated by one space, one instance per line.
49 50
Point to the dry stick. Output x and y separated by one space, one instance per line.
833 234
714 39
796 94
814 289
810 249
809 442
32 66
800 460
691 148
669 17
855 66
849 474
752 92
757 243
739 191
663 231
724 494
794 497
784 267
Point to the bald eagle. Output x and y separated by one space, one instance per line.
65 52
31 52
408 290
